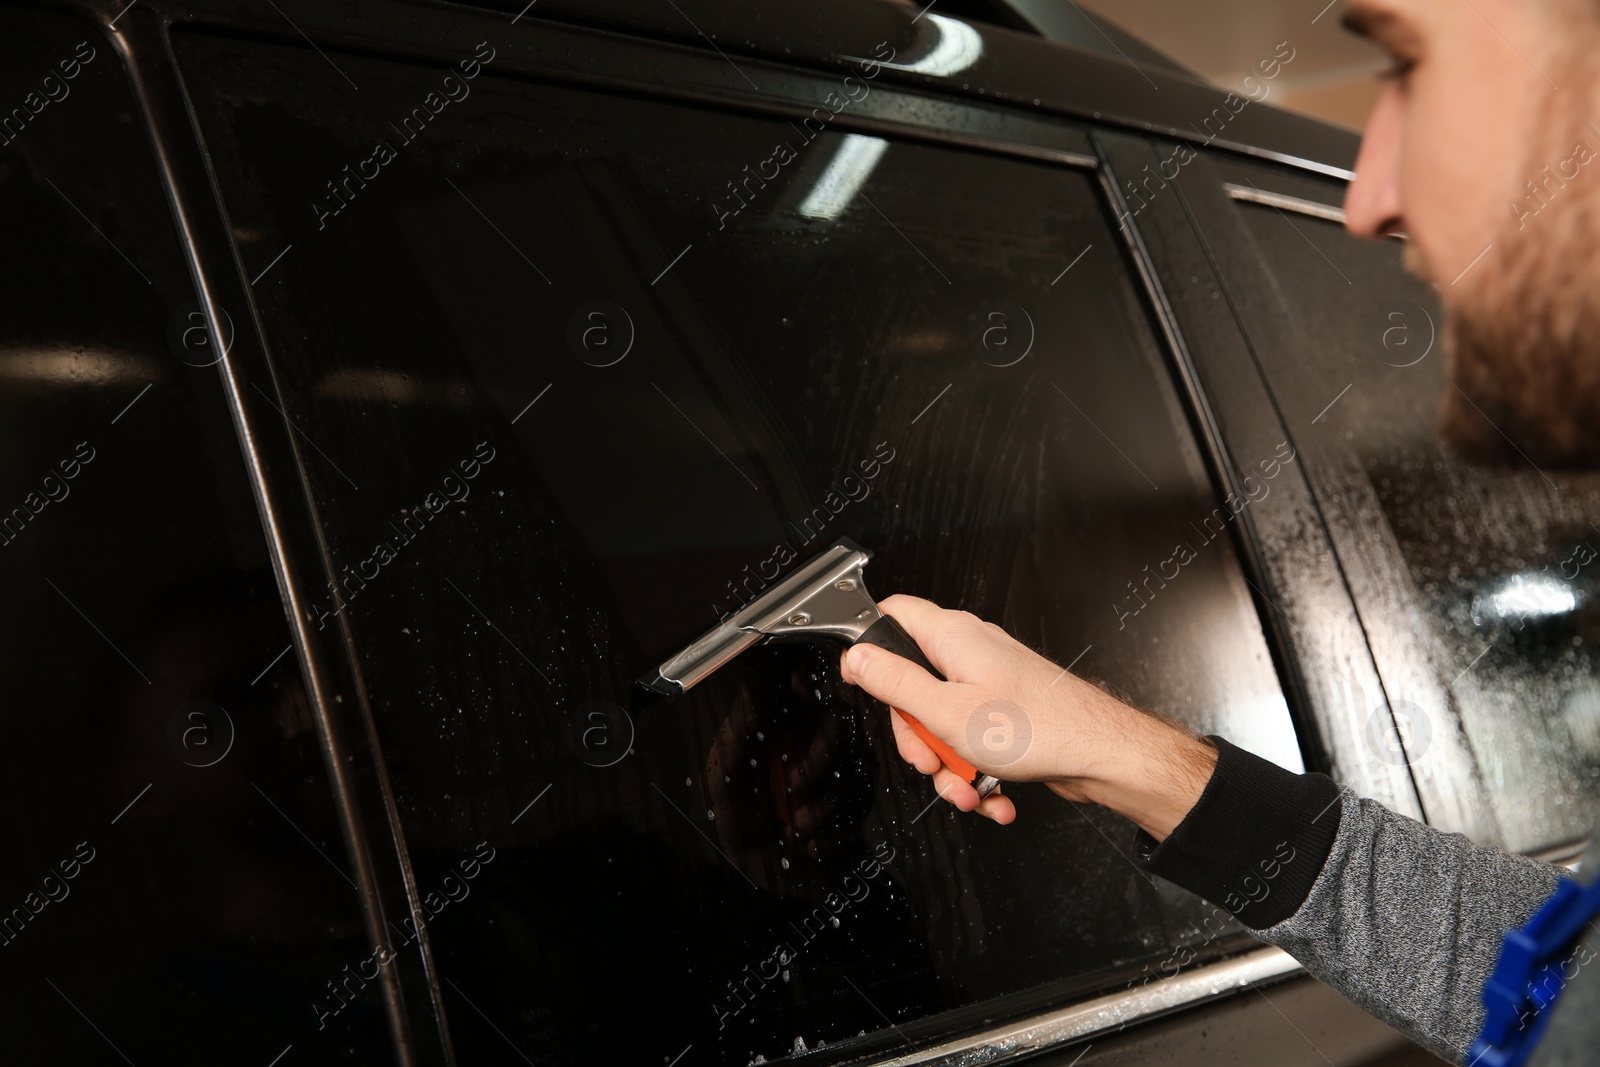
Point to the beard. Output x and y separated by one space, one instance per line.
1522 337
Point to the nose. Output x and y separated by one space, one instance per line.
1372 203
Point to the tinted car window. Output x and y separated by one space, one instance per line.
175 882
1493 576
579 384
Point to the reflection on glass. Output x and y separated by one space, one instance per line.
843 176
954 47
1523 597
83 365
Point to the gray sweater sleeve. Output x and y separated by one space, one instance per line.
1404 920
1407 921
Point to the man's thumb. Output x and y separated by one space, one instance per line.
893 679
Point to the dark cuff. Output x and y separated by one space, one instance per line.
1254 842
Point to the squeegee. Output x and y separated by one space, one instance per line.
825 600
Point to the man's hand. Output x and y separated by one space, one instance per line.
1021 718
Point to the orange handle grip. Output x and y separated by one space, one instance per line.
958 766
888 634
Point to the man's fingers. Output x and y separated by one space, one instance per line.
913 749
999 808
896 681
902 684
995 806
955 790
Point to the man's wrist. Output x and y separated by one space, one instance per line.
1154 775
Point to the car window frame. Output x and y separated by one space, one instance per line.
1303 592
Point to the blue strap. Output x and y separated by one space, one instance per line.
1529 976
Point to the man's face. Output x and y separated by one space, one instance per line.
1485 150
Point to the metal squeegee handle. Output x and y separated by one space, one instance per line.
888 634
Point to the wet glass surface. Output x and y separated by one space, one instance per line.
1492 575
578 385
175 887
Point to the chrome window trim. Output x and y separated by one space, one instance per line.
1108 1013
1286 203
1568 855
1327 170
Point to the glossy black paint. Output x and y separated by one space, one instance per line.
175 887
1017 68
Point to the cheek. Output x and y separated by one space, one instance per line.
1458 200
1453 199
